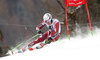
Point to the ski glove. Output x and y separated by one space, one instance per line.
48 41
40 32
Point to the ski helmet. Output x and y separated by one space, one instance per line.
47 17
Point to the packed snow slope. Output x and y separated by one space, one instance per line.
78 48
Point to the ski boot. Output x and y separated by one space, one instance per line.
23 49
40 46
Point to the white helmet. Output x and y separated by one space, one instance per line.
47 17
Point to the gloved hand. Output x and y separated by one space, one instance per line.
40 32
48 41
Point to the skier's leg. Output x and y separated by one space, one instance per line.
43 43
52 39
56 38
40 39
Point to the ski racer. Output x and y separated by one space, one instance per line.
51 35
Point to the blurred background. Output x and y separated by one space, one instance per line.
19 18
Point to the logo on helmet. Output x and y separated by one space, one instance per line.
47 17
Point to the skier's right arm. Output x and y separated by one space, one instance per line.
40 26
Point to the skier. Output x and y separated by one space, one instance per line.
51 35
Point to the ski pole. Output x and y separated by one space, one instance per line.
21 44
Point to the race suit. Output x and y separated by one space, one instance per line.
53 32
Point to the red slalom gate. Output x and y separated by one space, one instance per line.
76 3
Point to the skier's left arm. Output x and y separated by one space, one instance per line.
56 32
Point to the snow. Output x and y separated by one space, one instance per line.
78 48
